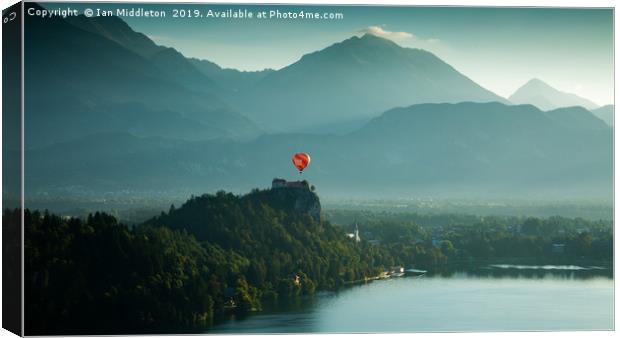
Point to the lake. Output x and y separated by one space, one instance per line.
498 297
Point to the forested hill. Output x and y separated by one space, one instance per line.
277 234
174 273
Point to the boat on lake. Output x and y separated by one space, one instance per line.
415 272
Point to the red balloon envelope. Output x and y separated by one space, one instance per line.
301 161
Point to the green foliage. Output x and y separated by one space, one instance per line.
447 248
454 239
214 253
97 276
246 296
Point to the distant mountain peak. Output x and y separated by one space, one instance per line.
373 37
536 82
545 97
354 79
354 44
369 39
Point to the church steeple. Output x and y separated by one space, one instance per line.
357 233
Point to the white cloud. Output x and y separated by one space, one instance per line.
400 36
379 31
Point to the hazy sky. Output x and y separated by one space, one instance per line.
500 48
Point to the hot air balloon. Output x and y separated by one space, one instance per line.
301 161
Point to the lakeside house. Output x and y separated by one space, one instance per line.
397 271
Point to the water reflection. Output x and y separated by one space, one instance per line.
488 298
528 271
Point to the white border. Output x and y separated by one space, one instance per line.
475 3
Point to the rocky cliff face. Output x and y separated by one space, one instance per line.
301 200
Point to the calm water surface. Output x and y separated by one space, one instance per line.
502 298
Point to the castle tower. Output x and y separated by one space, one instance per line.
357 233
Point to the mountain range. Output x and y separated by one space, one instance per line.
128 116
443 150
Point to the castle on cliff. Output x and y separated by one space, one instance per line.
279 183
297 195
